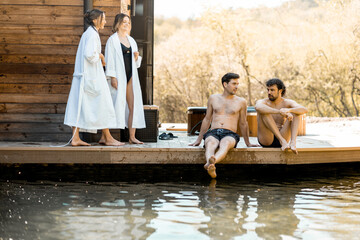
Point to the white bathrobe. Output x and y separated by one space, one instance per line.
115 67
89 105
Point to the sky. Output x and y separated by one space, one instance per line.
185 9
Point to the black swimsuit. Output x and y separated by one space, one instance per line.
274 144
127 61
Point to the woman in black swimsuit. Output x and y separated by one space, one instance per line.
122 61
127 61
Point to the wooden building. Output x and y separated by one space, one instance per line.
38 45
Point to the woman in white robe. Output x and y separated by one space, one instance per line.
123 77
89 105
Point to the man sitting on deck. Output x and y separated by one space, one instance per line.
224 112
278 118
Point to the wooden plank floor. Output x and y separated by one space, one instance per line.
312 148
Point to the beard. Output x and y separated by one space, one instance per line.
272 98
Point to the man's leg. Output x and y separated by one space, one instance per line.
267 129
290 131
211 144
225 145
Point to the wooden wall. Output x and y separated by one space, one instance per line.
38 44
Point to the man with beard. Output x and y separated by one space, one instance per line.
224 112
278 118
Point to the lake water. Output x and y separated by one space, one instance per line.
178 202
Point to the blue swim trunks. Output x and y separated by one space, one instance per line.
220 133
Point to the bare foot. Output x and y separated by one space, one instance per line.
212 169
79 142
284 145
135 141
113 142
293 147
211 160
206 166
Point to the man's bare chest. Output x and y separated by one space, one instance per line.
226 108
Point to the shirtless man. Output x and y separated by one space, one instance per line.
278 118
223 113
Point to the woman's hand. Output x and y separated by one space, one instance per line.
114 82
102 59
136 55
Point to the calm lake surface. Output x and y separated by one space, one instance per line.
302 202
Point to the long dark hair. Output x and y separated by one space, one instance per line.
118 20
91 15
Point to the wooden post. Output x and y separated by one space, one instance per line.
88 5
143 32
126 6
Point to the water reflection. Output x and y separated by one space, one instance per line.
178 215
331 211
254 211
306 208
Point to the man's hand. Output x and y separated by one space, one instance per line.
285 112
136 55
289 116
196 143
102 59
114 83
253 145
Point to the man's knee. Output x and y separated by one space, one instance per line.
228 142
265 116
211 142
266 140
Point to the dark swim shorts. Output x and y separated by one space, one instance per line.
274 144
220 133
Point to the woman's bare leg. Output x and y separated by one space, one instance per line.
102 139
109 140
76 141
130 102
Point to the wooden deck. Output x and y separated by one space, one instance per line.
312 149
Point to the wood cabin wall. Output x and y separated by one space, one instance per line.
111 8
38 45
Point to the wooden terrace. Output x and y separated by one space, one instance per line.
313 148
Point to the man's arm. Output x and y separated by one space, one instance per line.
262 108
205 123
243 125
293 107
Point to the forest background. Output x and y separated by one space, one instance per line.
313 46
